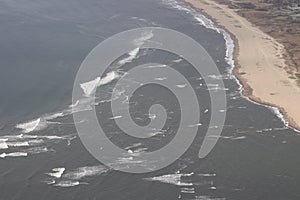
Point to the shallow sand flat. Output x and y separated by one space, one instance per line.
261 66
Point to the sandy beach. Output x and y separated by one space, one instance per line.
261 66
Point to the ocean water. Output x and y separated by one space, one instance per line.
42 45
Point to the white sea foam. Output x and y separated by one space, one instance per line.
29 126
181 86
145 21
174 179
218 77
109 78
34 138
57 172
187 190
208 175
68 183
160 79
39 123
202 197
140 150
138 43
154 133
3 145
18 144
128 160
194 125
54 116
131 56
130 151
74 105
32 142
239 138
152 116
38 150
178 60
147 35
29 144
156 66
138 18
90 87
220 137
133 146
83 172
14 154
116 117
83 104
68 178
49 181
215 87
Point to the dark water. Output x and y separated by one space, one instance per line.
42 45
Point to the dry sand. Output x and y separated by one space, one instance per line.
260 64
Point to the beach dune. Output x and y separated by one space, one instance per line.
261 66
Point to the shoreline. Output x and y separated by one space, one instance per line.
215 13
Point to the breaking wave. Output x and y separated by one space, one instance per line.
30 126
83 172
25 145
174 179
131 56
13 154
90 87
61 177
57 172
67 183
137 43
